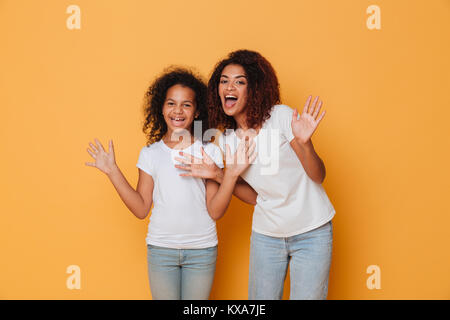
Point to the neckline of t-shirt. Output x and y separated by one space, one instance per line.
167 148
259 132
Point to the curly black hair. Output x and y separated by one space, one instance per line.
263 90
155 126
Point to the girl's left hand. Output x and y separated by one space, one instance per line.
304 127
204 168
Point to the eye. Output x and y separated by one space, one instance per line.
223 81
187 105
240 82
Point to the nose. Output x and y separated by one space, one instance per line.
230 86
178 109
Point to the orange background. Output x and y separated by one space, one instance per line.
384 140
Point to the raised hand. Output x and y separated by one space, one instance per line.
103 160
304 127
245 154
204 168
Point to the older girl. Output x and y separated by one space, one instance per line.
292 216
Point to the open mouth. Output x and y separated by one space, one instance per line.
177 121
230 101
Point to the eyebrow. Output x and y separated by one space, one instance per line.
182 101
239 76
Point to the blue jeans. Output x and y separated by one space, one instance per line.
308 256
185 274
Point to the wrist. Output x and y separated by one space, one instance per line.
303 144
113 171
218 175
229 174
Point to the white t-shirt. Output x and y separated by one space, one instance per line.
288 202
179 218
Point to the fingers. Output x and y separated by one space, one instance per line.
295 115
183 160
247 143
97 148
243 145
185 174
251 148
99 144
227 152
252 157
93 147
185 168
190 158
245 150
111 146
252 152
305 108
93 155
321 117
313 105
206 158
316 110
311 109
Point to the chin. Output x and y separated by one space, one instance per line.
231 112
228 112
180 130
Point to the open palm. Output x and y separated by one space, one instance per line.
245 155
304 126
103 160
204 167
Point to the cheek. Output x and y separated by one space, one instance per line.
191 113
244 95
165 110
220 90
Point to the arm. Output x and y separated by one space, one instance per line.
218 197
245 192
207 169
242 189
138 201
303 128
311 162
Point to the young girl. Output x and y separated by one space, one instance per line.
292 215
181 239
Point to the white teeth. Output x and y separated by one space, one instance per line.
230 96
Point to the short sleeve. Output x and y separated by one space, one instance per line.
215 154
283 116
144 162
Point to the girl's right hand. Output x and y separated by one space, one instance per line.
245 154
103 160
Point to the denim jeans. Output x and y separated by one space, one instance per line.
185 274
308 256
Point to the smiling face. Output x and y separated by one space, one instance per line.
233 89
179 109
